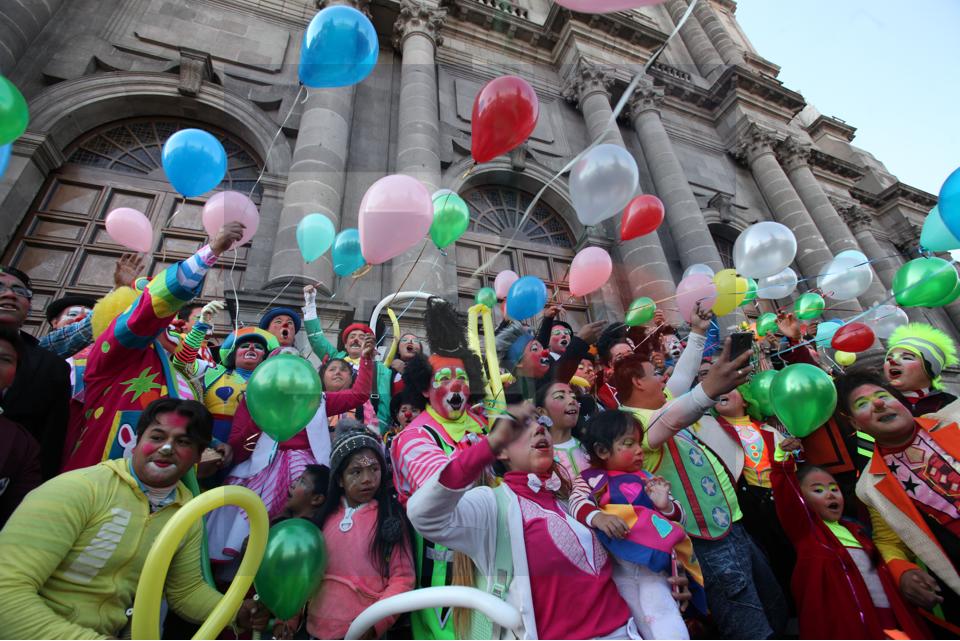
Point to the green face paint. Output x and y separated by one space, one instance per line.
442 376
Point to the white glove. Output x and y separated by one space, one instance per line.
211 309
309 302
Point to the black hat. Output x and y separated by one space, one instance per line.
55 308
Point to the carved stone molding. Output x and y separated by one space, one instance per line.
723 205
753 142
586 80
646 97
793 153
856 218
195 67
417 18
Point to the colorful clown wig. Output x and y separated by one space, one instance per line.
932 346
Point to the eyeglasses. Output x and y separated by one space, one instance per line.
19 290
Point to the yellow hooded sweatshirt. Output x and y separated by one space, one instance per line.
73 551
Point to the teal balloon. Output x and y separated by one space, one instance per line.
451 217
760 386
486 296
949 202
751 292
283 394
809 306
825 332
935 236
804 398
924 282
315 235
346 254
526 298
5 158
767 324
293 566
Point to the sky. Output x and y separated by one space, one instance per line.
890 69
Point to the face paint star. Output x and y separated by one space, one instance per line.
142 384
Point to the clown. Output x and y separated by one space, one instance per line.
282 322
916 356
672 348
523 355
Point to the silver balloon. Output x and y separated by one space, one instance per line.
884 319
764 249
602 183
845 277
698 268
854 253
777 286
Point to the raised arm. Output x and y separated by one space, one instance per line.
318 341
685 369
185 355
359 392
67 341
791 508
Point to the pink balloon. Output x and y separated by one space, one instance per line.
130 228
693 289
504 281
606 6
395 214
229 206
589 271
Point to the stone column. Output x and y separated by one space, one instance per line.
708 61
717 33
646 271
21 21
416 37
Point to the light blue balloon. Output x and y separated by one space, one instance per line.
339 48
315 234
5 157
347 257
825 332
526 298
935 236
949 202
194 161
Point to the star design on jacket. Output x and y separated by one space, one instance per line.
910 486
142 384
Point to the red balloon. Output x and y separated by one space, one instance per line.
505 113
854 337
642 216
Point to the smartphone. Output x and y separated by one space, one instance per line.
739 343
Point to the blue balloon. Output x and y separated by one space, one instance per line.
825 332
949 202
339 48
194 161
5 157
934 236
526 298
347 257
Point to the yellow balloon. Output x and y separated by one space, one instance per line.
844 359
731 291
146 603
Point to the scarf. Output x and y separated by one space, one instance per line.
456 428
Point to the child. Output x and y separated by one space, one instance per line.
306 495
559 409
842 588
337 375
638 523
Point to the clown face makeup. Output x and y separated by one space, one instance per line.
672 347
406 414
450 387
535 361
905 371
69 316
587 371
283 328
408 347
562 406
354 343
361 478
250 353
165 452
559 339
731 405
823 495
875 411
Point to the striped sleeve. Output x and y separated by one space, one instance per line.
582 504
189 347
191 271
416 457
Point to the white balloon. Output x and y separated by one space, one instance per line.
845 277
777 286
854 253
602 183
764 249
885 318
698 268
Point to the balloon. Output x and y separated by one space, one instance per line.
194 161
602 183
526 298
922 282
853 337
751 292
766 324
451 217
503 282
283 394
13 112
731 290
293 566
934 236
130 228
486 296
505 113
339 48
693 289
844 359
315 235
346 254
845 277
760 386
804 398
606 6
854 253
640 311
777 286
5 151
825 332
809 306
764 249
589 271
395 213
885 319
229 206
698 268
949 298
642 216
948 202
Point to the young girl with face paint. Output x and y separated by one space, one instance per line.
337 375
559 409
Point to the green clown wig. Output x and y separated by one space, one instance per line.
932 346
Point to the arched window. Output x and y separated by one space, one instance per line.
498 211
724 237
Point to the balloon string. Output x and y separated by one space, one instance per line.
274 299
283 124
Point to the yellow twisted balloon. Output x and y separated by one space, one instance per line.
495 396
146 604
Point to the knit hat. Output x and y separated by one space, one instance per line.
56 307
281 311
929 343
352 327
511 341
265 338
349 442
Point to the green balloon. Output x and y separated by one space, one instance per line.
952 296
751 292
487 296
640 311
924 282
292 568
760 389
13 112
283 394
809 306
451 217
767 324
804 398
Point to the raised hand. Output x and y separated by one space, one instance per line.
700 320
211 309
126 270
591 331
789 325
726 374
369 346
229 234
510 426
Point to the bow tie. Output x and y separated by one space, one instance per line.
535 484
